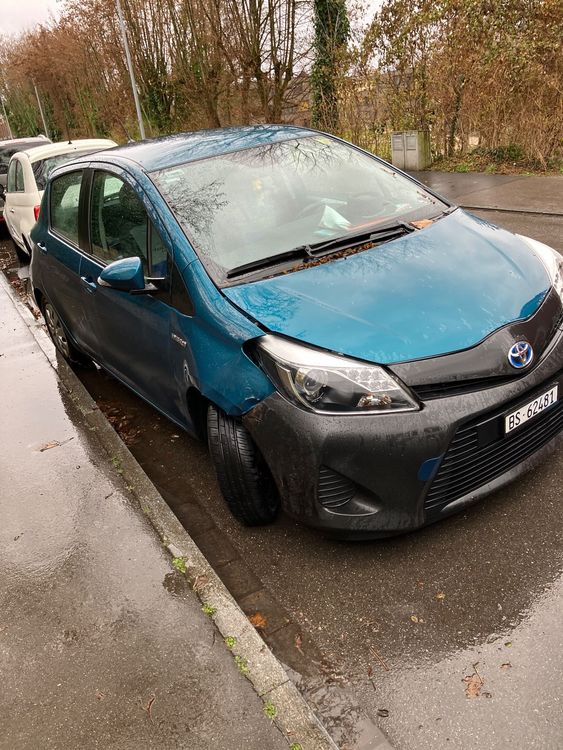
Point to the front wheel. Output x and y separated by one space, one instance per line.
244 479
60 339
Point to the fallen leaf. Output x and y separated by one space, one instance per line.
506 665
508 644
48 446
417 619
370 671
148 707
299 643
99 695
54 444
440 595
200 583
383 712
258 620
421 223
473 685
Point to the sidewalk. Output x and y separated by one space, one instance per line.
102 643
536 194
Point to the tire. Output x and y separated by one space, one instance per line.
244 479
60 339
23 257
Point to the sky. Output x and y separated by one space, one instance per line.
21 15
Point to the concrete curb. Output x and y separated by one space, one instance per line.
282 701
526 211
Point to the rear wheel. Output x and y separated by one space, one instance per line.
245 481
59 336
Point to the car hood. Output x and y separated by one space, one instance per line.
435 291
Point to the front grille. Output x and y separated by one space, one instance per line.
428 391
469 465
457 387
334 489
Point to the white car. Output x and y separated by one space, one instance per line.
27 176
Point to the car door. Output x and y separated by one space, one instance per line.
15 199
59 256
133 330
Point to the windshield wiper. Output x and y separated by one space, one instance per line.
383 233
305 252
296 253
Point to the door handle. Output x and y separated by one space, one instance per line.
88 283
41 247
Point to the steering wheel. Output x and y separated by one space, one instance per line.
309 208
380 206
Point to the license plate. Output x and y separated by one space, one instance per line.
530 410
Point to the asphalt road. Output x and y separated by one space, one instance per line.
447 638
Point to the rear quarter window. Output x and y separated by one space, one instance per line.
63 204
20 187
11 187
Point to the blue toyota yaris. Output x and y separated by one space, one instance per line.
353 348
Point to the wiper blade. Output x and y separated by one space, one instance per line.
305 252
383 233
297 253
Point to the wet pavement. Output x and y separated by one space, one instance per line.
411 625
516 192
102 643
448 637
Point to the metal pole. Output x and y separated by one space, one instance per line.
131 71
6 117
41 111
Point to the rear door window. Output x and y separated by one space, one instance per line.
64 200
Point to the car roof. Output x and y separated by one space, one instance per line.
171 150
36 139
36 153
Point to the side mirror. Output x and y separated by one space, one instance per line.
126 275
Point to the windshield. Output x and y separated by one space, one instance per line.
240 207
43 167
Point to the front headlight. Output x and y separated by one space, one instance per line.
551 259
328 383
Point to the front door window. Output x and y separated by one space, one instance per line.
118 221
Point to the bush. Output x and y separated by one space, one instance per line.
510 153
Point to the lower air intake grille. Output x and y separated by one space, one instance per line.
467 466
334 489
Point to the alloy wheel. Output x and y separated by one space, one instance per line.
56 330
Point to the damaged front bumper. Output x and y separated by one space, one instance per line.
377 475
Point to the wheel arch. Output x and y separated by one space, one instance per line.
39 297
198 405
